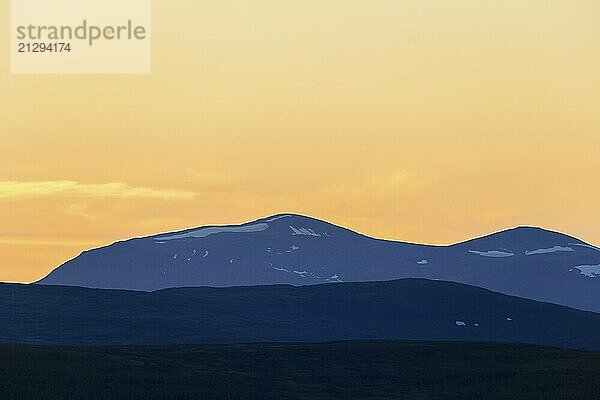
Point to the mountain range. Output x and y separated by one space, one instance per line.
297 250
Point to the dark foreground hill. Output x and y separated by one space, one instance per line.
351 370
296 250
403 309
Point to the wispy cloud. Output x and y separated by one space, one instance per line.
45 242
18 189
384 186
386 183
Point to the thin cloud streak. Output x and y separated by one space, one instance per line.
45 242
17 189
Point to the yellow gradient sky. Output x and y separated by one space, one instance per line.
429 121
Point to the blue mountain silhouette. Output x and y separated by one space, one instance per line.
297 250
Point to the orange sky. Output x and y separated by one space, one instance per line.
422 121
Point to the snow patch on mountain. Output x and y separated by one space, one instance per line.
586 246
591 271
423 262
193 254
212 230
304 231
460 323
548 250
492 253
278 217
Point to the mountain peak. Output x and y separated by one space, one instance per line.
291 218
278 217
524 238
292 224
530 229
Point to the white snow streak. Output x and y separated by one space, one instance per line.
304 231
204 232
591 271
492 253
278 217
548 250
586 246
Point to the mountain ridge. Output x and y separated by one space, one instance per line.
525 261
274 217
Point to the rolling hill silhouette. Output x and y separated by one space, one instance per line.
417 309
292 249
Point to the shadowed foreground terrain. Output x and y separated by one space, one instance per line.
345 370
407 309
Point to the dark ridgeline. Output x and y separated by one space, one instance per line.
297 250
403 309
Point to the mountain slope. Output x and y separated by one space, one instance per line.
297 250
403 309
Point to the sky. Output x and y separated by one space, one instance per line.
424 121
